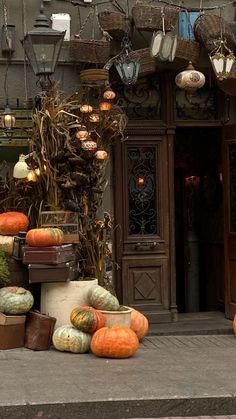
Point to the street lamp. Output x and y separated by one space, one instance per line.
42 47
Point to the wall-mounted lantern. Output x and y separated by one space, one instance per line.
42 47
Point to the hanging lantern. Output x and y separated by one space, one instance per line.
190 79
94 117
86 109
163 46
140 181
89 145
126 65
105 106
32 176
82 134
8 118
109 94
101 155
222 60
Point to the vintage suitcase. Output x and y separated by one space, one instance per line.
49 255
38 330
12 336
62 272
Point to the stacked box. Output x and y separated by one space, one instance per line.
12 331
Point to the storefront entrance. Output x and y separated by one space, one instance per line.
199 220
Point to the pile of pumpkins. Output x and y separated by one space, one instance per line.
88 332
15 300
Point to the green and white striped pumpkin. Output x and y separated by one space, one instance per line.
101 299
15 300
68 338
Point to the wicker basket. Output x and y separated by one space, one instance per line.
115 23
229 85
188 50
149 18
207 30
94 76
147 63
89 50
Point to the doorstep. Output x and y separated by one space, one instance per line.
202 323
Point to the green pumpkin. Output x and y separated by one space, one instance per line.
15 300
102 299
87 319
69 339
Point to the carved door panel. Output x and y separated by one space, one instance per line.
229 178
143 220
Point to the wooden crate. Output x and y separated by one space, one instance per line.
67 221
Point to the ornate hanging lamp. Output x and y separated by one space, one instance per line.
8 119
127 66
163 45
222 60
190 79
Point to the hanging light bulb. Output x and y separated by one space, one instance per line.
32 177
190 79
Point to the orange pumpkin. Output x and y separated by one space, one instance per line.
87 319
139 323
45 237
12 222
114 342
234 324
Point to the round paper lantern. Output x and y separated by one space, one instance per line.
105 106
101 155
190 79
109 94
86 109
82 133
94 117
89 145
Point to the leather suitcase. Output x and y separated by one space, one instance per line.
12 336
52 255
62 272
38 330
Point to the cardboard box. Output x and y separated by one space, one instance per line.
12 336
6 320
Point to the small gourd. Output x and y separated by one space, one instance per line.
114 342
68 338
101 299
139 323
45 237
87 319
15 300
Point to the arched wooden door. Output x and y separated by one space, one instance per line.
144 221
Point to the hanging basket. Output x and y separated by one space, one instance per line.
229 85
208 29
147 63
149 18
89 50
94 76
188 50
117 24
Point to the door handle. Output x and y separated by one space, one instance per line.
146 246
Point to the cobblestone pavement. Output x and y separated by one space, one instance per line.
203 341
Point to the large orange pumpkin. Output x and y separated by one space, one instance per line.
45 237
139 323
12 222
234 324
87 319
114 342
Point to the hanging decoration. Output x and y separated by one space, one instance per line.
126 65
163 45
190 79
222 60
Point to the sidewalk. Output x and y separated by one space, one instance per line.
168 376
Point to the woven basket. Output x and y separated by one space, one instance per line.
94 75
147 63
149 18
188 50
89 50
207 30
115 23
229 85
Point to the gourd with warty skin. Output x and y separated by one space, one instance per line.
15 300
101 299
114 342
68 338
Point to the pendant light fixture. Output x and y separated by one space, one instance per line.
163 45
190 79
222 60
126 65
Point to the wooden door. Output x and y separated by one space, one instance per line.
229 179
144 241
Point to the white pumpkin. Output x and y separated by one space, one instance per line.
15 300
6 244
68 338
101 299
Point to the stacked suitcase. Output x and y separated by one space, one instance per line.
51 264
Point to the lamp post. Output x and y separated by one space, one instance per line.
42 47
